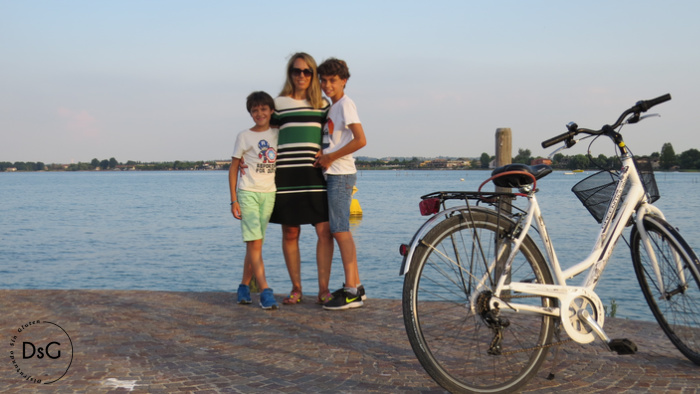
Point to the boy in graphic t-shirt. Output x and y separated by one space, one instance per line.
253 192
342 135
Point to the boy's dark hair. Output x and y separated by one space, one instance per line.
259 98
333 66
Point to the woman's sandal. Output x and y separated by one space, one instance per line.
294 298
325 297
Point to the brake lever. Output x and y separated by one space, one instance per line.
567 144
636 118
633 119
649 116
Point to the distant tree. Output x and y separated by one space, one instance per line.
80 167
104 164
113 163
668 156
413 163
601 161
605 162
689 159
558 160
485 160
578 162
95 163
524 156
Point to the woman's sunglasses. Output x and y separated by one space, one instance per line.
298 71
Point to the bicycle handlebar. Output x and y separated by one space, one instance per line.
639 107
558 139
645 105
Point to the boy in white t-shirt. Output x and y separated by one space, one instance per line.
342 136
253 192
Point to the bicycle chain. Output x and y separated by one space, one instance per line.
535 347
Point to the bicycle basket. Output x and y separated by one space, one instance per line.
596 191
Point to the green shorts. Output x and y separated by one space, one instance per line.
256 209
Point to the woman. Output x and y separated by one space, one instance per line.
300 111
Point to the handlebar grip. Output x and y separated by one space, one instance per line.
557 139
645 105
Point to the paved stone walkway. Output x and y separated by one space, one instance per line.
162 342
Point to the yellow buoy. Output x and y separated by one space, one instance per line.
355 208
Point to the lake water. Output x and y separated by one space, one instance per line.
174 231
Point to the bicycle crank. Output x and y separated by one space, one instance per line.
583 316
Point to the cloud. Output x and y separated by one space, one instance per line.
79 123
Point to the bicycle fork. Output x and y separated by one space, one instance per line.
646 241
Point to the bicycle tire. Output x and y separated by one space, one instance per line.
451 340
677 310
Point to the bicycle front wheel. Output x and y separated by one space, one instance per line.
445 306
673 294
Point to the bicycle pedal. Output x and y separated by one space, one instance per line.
622 346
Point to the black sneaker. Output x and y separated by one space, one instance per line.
344 301
360 289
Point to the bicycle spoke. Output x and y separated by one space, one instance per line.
675 302
447 292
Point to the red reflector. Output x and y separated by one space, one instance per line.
403 249
429 206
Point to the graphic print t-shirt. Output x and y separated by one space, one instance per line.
336 134
258 151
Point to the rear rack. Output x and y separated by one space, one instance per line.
487 197
501 201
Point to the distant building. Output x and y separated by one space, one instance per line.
435 163
540 160
222 164
458 163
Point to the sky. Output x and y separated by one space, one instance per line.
167 80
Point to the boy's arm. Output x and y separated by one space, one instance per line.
233 184
358 141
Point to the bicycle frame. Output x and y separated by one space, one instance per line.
612 227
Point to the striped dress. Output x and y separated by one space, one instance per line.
301 189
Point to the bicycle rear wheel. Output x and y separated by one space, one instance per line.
677 306
450 337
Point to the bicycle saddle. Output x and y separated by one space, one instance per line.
519 179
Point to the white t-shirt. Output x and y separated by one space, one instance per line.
336 134
258 151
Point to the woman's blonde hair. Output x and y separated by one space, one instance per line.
313 93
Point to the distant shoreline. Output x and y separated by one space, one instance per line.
359 169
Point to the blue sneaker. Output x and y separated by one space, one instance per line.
267 299
244 294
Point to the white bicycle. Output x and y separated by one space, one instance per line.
482 305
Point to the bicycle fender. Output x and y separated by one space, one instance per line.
429 224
